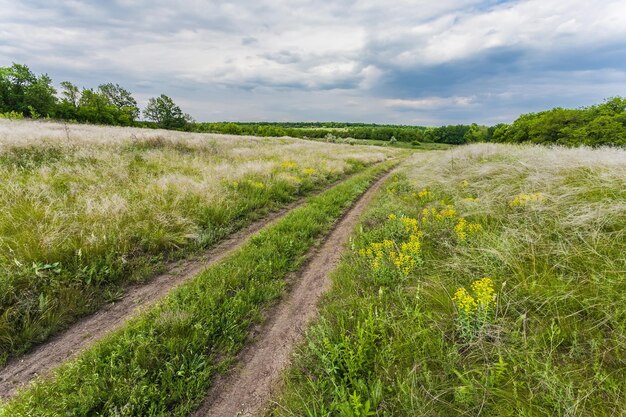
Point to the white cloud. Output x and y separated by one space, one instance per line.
296 51
544 25
429 103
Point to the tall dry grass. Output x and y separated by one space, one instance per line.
88 209
552 239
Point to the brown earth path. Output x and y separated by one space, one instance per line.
66 345
246 391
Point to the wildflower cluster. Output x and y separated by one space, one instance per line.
410 225
524 199
463 229
475 311
423 194
248 183
388 259
257 184
308 171
288 165
429 214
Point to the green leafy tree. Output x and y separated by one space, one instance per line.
22 91
476 133
122 99
163 111
40 96
95 107
71 93
67 108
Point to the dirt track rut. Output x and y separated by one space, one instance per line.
247 390
41 360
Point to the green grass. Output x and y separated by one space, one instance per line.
85 215
554 344
422 146
162 363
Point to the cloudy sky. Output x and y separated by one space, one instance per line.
427 62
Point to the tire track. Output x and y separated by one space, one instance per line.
42 359
247 390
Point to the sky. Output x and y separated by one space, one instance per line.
404 62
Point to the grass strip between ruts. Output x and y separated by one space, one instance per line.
162 362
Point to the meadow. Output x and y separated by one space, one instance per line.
88 210
484 279
163 361
487 280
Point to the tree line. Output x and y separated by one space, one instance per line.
451 134
597 125
22 93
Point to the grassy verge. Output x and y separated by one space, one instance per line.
82 220
489 282
162 362
420 146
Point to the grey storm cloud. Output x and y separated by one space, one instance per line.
450 61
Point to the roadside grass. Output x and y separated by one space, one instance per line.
544 335
162 362
86 210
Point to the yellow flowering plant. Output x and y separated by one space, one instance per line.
477 309
288 165
423 194
524 199
390 259
463 229
431 214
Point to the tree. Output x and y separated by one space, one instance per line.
67 108
166 113
122 99
40 96
476 133
71 93
22 91
95 107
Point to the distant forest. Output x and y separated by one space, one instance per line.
25 94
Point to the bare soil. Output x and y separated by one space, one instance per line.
247 390
45 357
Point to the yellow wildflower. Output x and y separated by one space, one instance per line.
308 171
392 217
477 310
410 224
484 291
425 193
524 199
257 184
447 213
288 165
459 229
464 301
463 229
413 247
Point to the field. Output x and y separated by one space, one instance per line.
484 279
87 210
488 280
